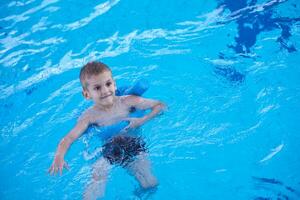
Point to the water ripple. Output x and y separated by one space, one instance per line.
98 10
273 153
116 45
26 15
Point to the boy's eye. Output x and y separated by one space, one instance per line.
108 84
97 88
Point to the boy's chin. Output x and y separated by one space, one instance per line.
107 102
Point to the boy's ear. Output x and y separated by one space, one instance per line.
85 94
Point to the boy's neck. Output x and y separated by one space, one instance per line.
107 108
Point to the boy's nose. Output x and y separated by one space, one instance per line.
104 91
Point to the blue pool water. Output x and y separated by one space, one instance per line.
227 69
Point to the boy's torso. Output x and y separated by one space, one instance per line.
118 112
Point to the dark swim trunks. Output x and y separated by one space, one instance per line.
122 149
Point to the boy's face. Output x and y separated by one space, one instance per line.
101 89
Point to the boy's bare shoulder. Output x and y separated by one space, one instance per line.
87 115
131 99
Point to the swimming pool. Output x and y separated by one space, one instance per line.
227 69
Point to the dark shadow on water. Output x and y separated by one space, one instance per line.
230 74
252 19
144 194
274 189
252 22
268 180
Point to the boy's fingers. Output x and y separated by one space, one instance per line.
60 170
50 170
54 170
67 166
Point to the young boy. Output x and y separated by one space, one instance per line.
108 109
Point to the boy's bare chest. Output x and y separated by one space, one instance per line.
114 116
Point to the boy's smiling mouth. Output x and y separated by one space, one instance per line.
106 96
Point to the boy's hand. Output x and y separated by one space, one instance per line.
58 165
134 123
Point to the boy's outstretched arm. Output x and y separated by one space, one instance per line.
144 104
59 163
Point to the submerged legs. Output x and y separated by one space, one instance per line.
140 168
96 187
